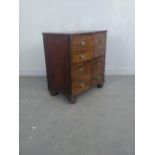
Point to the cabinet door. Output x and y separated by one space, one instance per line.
97 66
99 44
97 71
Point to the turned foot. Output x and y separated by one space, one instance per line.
53 93
72 99
100 85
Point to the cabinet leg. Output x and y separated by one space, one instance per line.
53 93
100 85
72 99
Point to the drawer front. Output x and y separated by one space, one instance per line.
81 71
80 86
99 44
97 66
82 42
82 48
97 79
83 56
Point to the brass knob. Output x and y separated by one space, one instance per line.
83 56
81 69
82 43
82 85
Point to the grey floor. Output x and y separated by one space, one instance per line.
100 123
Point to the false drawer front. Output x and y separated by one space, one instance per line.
99 44
81 71
80 86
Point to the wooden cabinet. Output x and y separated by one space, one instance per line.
75 62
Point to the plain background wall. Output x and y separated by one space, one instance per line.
116 16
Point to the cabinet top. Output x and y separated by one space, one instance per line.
74 32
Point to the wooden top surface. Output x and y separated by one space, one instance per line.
74 32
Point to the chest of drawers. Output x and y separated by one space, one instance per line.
75 62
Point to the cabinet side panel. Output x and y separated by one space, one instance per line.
104 57
45 41
57 58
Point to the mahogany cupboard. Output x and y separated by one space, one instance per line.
75 62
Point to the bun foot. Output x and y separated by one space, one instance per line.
54 93
72 99
100 85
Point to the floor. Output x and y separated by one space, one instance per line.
100 123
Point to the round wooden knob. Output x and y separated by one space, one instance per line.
98 77
98 63
100 40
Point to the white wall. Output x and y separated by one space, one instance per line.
116 16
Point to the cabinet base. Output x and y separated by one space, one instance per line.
53 93
100 85
72 99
